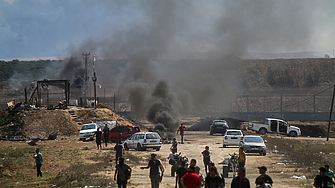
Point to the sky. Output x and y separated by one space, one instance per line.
169 29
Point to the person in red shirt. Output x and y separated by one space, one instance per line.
190 179
181 129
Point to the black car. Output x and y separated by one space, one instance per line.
218 126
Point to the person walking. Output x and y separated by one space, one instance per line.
98 134
190 179
240 181
155 166
241 158
260 182
213 180
193 162
181 129
173 161
122 172
321 180
262 171
106 135
174 145
206 156
330 174
119 151
181 171
39 160
197 171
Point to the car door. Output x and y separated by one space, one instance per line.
282 127
114 133
130 141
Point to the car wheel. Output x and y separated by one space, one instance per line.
262 131
224 145
139 148
210 133
264 153
293 134
126 147
157 149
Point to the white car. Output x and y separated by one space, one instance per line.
87 131
232 137
254 144
143 140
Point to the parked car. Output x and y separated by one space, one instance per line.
87 131
114 132
273 125
143 140
253 144
232 137
218 126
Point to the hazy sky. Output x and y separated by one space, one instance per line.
174 28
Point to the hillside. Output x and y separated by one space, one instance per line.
40 123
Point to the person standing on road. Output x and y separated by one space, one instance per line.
174 145
197 171
193 162
181 129
173 161
207 157
262 171
213 180
120 171
330 174
106 134
241 158
155 165
98 134
119 151
321 181
240 181
181 171
260 182
190 179
39 160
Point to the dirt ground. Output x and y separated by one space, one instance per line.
60 154
195 142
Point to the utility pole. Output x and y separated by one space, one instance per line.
94 79
330 114
85 57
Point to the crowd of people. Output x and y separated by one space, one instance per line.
187 174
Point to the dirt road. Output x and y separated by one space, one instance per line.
196 141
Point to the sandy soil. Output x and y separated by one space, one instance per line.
196 141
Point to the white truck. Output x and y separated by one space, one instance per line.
272 125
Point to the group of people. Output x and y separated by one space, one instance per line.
325 178
106 132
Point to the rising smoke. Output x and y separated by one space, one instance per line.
210 36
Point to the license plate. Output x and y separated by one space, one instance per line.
153 141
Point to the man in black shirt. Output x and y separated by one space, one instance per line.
155 166
321 181
181 171
106 134
98 134
262 171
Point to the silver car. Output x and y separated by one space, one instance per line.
143 140
253 144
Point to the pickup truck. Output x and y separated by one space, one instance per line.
273 125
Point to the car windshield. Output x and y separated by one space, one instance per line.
220 123
89 126
152 136
233 133
253 139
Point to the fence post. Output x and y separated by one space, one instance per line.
248 103
281 106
